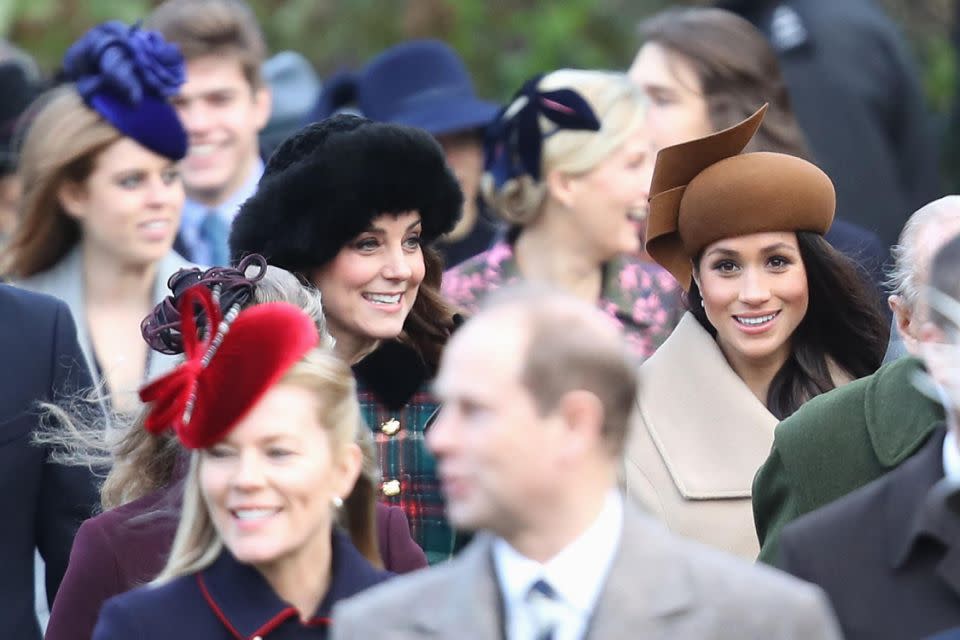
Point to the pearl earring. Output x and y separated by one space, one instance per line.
337 502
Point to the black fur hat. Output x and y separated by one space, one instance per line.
325 184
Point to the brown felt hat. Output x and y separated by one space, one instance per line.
705 190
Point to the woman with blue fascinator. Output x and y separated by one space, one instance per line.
102 198
568 167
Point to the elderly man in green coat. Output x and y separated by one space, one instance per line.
841 440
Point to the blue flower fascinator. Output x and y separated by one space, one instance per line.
514 142
127 75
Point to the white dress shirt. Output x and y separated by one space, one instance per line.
194 212
577 575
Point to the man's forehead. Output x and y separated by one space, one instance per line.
489 344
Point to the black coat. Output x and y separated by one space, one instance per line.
888 554
855 90
43 504
229 600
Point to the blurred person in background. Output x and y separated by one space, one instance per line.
271 419
538 389
354 207
841 440
44 501
885 553
857 95
128 544
777 317
102 198
224 103
20 83
568 168
425 84
704 70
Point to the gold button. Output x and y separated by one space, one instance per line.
390 427
391 488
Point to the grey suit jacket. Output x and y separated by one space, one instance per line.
660 586
64 280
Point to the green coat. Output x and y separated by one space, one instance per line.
838 442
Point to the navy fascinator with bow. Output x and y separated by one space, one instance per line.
514 143
127 75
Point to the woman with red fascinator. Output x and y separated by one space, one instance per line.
271 420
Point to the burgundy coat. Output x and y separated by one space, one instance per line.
125 547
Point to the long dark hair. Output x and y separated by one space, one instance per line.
843 324
432 319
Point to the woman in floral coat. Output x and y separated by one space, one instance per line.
569 163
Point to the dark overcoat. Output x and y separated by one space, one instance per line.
43 503
888 555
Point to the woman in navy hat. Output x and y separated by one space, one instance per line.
272 421
102 198
425 84
353 207
568 168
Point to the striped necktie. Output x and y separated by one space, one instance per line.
543 604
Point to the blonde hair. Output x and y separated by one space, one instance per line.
139 462
619 106
197 543
61 145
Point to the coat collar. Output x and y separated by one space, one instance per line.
244 602
64 280
628 599
917 514
712 449
883 406
380 373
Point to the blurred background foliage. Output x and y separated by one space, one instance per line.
503 41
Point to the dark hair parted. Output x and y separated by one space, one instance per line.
327 183
737 69
843 325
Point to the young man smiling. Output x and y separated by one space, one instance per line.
223 104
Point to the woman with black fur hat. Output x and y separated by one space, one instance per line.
352 206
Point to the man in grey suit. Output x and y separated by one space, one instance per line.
537 395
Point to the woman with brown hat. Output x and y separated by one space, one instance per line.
776 317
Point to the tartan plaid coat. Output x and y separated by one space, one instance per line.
392 385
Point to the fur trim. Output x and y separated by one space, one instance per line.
327 183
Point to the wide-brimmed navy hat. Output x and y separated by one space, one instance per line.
420 83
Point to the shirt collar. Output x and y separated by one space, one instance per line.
951 455
577 573
194 211
243 600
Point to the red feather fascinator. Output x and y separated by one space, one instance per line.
224 374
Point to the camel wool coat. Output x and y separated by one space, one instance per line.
699 435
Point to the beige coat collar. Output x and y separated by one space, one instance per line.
711 431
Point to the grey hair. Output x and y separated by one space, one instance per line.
134 462
904 277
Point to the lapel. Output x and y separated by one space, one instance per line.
714 440
649 581
64 280
917 514
471 597
897 427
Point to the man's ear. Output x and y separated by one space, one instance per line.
903 318
583 416
73 198
263 106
